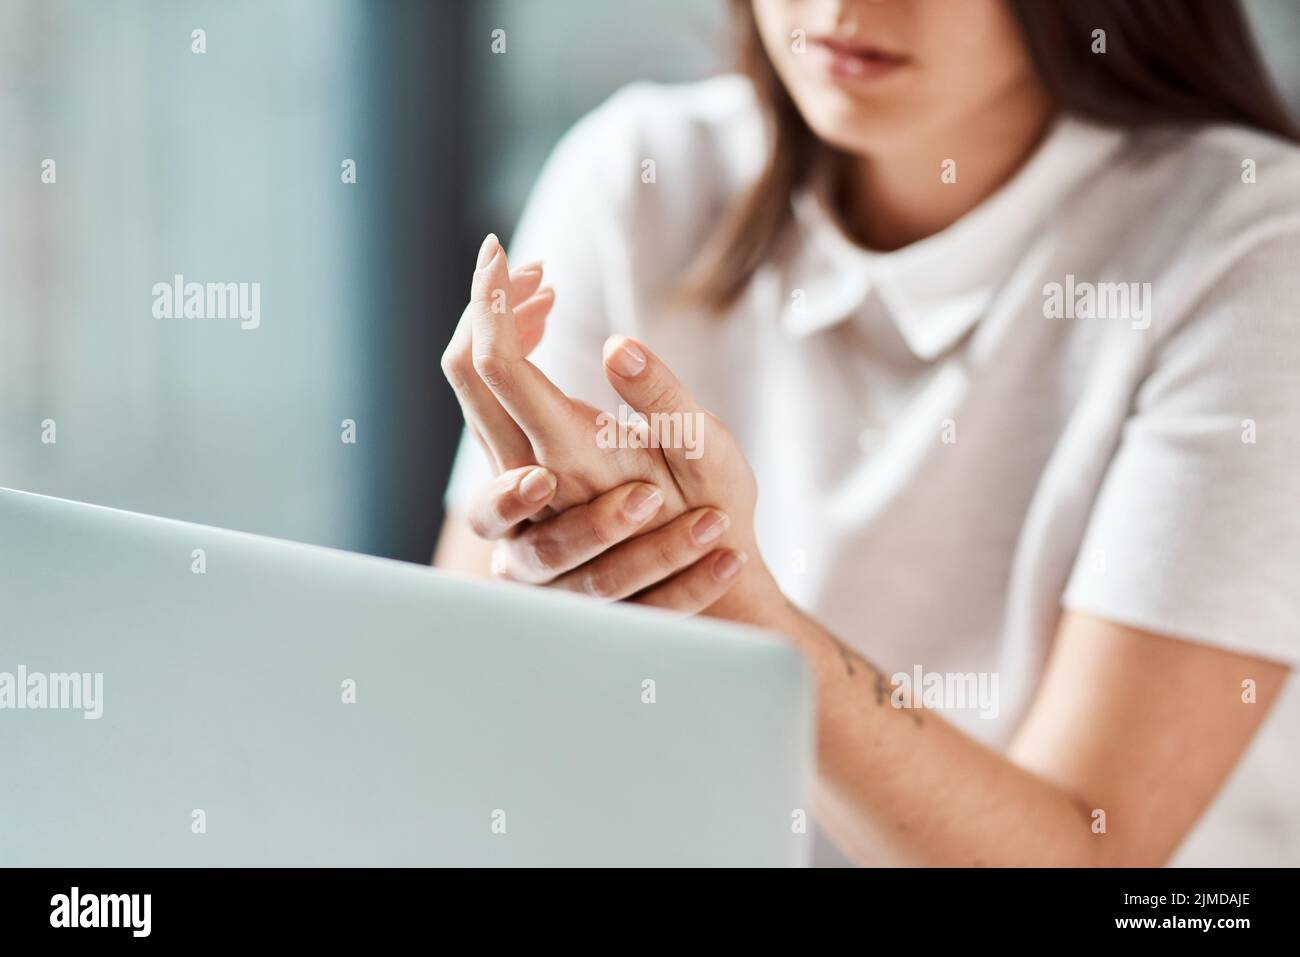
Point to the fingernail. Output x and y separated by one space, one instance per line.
536 485
642 503
729 565
627 360
488 250
709 528
498 562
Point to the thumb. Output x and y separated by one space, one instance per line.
646 384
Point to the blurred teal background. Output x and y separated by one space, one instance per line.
225 166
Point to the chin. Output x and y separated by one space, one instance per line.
858 131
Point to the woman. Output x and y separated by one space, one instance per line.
992 306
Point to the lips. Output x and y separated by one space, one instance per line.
853 60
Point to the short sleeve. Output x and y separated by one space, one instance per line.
574 222
1197 523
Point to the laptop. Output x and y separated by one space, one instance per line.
178 695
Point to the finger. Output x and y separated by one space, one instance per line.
695 589
524 281
509 499
648 559
552 547
530 318
539 408
647 385
503 441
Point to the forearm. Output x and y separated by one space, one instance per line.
902 786
1141 726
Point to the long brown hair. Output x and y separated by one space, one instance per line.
1167 62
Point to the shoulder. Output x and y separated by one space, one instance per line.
1210 216
1225 211
652 169
1250 152
1231 189
715 120
665 147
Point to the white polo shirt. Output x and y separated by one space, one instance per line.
1085 394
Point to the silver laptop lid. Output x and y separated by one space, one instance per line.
173 694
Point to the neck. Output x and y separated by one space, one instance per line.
893 199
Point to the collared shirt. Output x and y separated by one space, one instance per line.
1084 394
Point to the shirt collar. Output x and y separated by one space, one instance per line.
936 289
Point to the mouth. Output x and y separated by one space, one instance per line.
855 61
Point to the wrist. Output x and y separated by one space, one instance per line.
755 598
